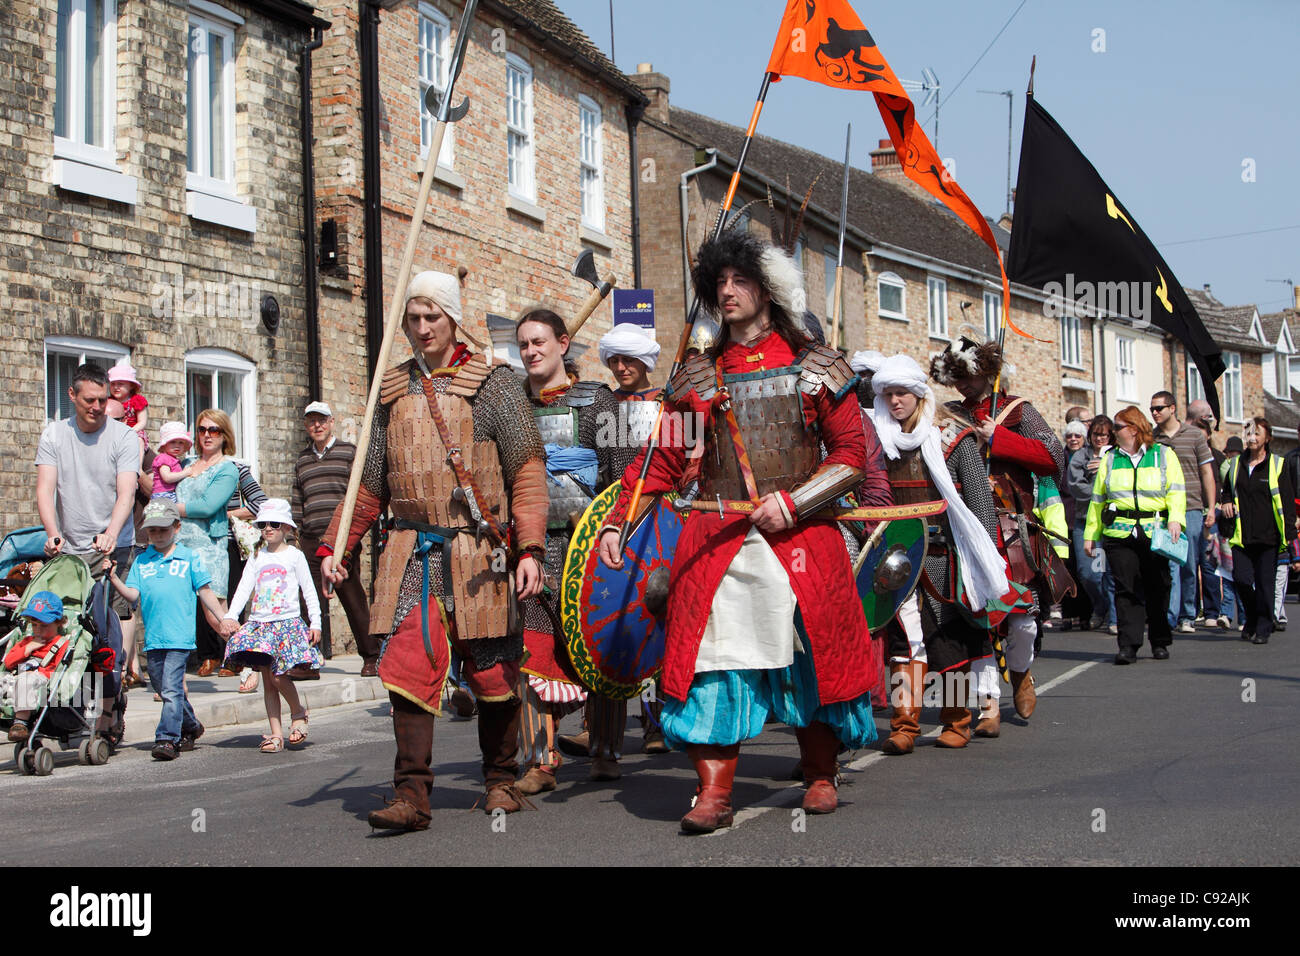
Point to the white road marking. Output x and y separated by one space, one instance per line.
783 797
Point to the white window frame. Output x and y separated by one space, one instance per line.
78 166
936 291
216 360
84 350
1071 344
591 166
524 153
432 17
1126 374
992 315
1233 405
1195 387
201 178
894 281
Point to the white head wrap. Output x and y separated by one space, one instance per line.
632 341
443 290
982 569
867 361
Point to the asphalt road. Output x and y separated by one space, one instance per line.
1159 763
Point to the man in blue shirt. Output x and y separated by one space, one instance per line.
164 581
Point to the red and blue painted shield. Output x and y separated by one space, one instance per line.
614 620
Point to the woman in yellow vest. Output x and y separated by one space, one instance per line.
1263 503
1139 489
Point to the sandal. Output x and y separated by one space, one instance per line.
249 684
272 744
298 734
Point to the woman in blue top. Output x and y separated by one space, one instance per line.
202 500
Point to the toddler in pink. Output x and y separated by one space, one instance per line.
173 443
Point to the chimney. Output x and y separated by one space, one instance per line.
1295 294
884 163
1005 221
655 86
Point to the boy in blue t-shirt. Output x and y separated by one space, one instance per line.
164 581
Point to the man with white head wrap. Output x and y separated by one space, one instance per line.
931 455
439 584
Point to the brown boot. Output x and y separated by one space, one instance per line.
400 814
716 767
906 683
1026 698
990 722
603 768
818 748
956 728
538 779
505 796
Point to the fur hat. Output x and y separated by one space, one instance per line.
775 271
965 358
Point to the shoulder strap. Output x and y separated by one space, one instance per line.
1007 409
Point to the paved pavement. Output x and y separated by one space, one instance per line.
1192 761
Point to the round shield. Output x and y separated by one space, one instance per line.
887 574
614 620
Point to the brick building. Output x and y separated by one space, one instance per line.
154 200
915 276
538 169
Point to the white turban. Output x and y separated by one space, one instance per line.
900 371
867 361
632 341
980 566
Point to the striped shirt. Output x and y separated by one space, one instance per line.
319 484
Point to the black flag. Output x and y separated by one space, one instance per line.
1076 242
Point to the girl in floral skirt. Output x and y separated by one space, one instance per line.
275 639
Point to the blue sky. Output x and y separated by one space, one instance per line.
1182 95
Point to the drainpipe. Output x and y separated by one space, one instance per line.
309 219
368 49
634 112
1099 358
685 213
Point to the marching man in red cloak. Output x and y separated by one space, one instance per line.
763 615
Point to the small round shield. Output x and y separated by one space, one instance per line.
887 573
614 619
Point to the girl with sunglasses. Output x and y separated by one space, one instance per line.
275 639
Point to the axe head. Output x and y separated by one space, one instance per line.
584 267
433 103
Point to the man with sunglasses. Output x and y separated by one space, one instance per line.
1193 451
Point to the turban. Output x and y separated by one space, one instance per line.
900 371
629 340
866 362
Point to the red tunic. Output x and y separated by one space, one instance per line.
813 552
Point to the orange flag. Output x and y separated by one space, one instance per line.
824 41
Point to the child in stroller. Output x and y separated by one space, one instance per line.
59 668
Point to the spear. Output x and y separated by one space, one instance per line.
839 256
446 113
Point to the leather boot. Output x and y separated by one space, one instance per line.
906 683
539 779
400 814
955 715
716 767
1022 686
818 748
498 740
990 722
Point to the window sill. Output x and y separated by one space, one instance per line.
1082 385
79 177
939 338
895 318
443 174
595 237
224 212
525 208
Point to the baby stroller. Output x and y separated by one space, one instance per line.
83 678
16 551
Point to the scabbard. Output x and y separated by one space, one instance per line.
921 509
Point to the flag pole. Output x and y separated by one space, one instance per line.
653 442
839 255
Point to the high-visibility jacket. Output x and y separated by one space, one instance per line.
1152 494
1274 472
1050 512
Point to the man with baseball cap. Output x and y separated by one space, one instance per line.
320 480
